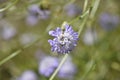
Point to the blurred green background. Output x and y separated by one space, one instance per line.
99 43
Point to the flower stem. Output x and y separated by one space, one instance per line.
80 17
85 5
85 15
94 9
95 5
92 14
7 7
82 25
59 66
17 52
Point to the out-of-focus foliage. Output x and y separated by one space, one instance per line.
27 20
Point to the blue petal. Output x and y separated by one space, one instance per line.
50 41
56 32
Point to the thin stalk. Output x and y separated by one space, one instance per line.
80 17
17 52
82 25
7 7
59 66
84 21
94 9
85 5
95 5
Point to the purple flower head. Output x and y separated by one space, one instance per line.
108 21
48 65
64 40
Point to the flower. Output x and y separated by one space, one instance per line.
28 75
7 31
90 36
48 65
36 13
64 40
108 21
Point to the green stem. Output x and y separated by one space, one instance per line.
82 25
80 17
7 7
95 5
59 66
94 9
84 12
17 52
84 21
85 5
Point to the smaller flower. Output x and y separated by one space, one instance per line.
108 21
28 75
90 37
7 31
48 65
36 10
36 13
64 40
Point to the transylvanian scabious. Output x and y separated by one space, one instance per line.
64 39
